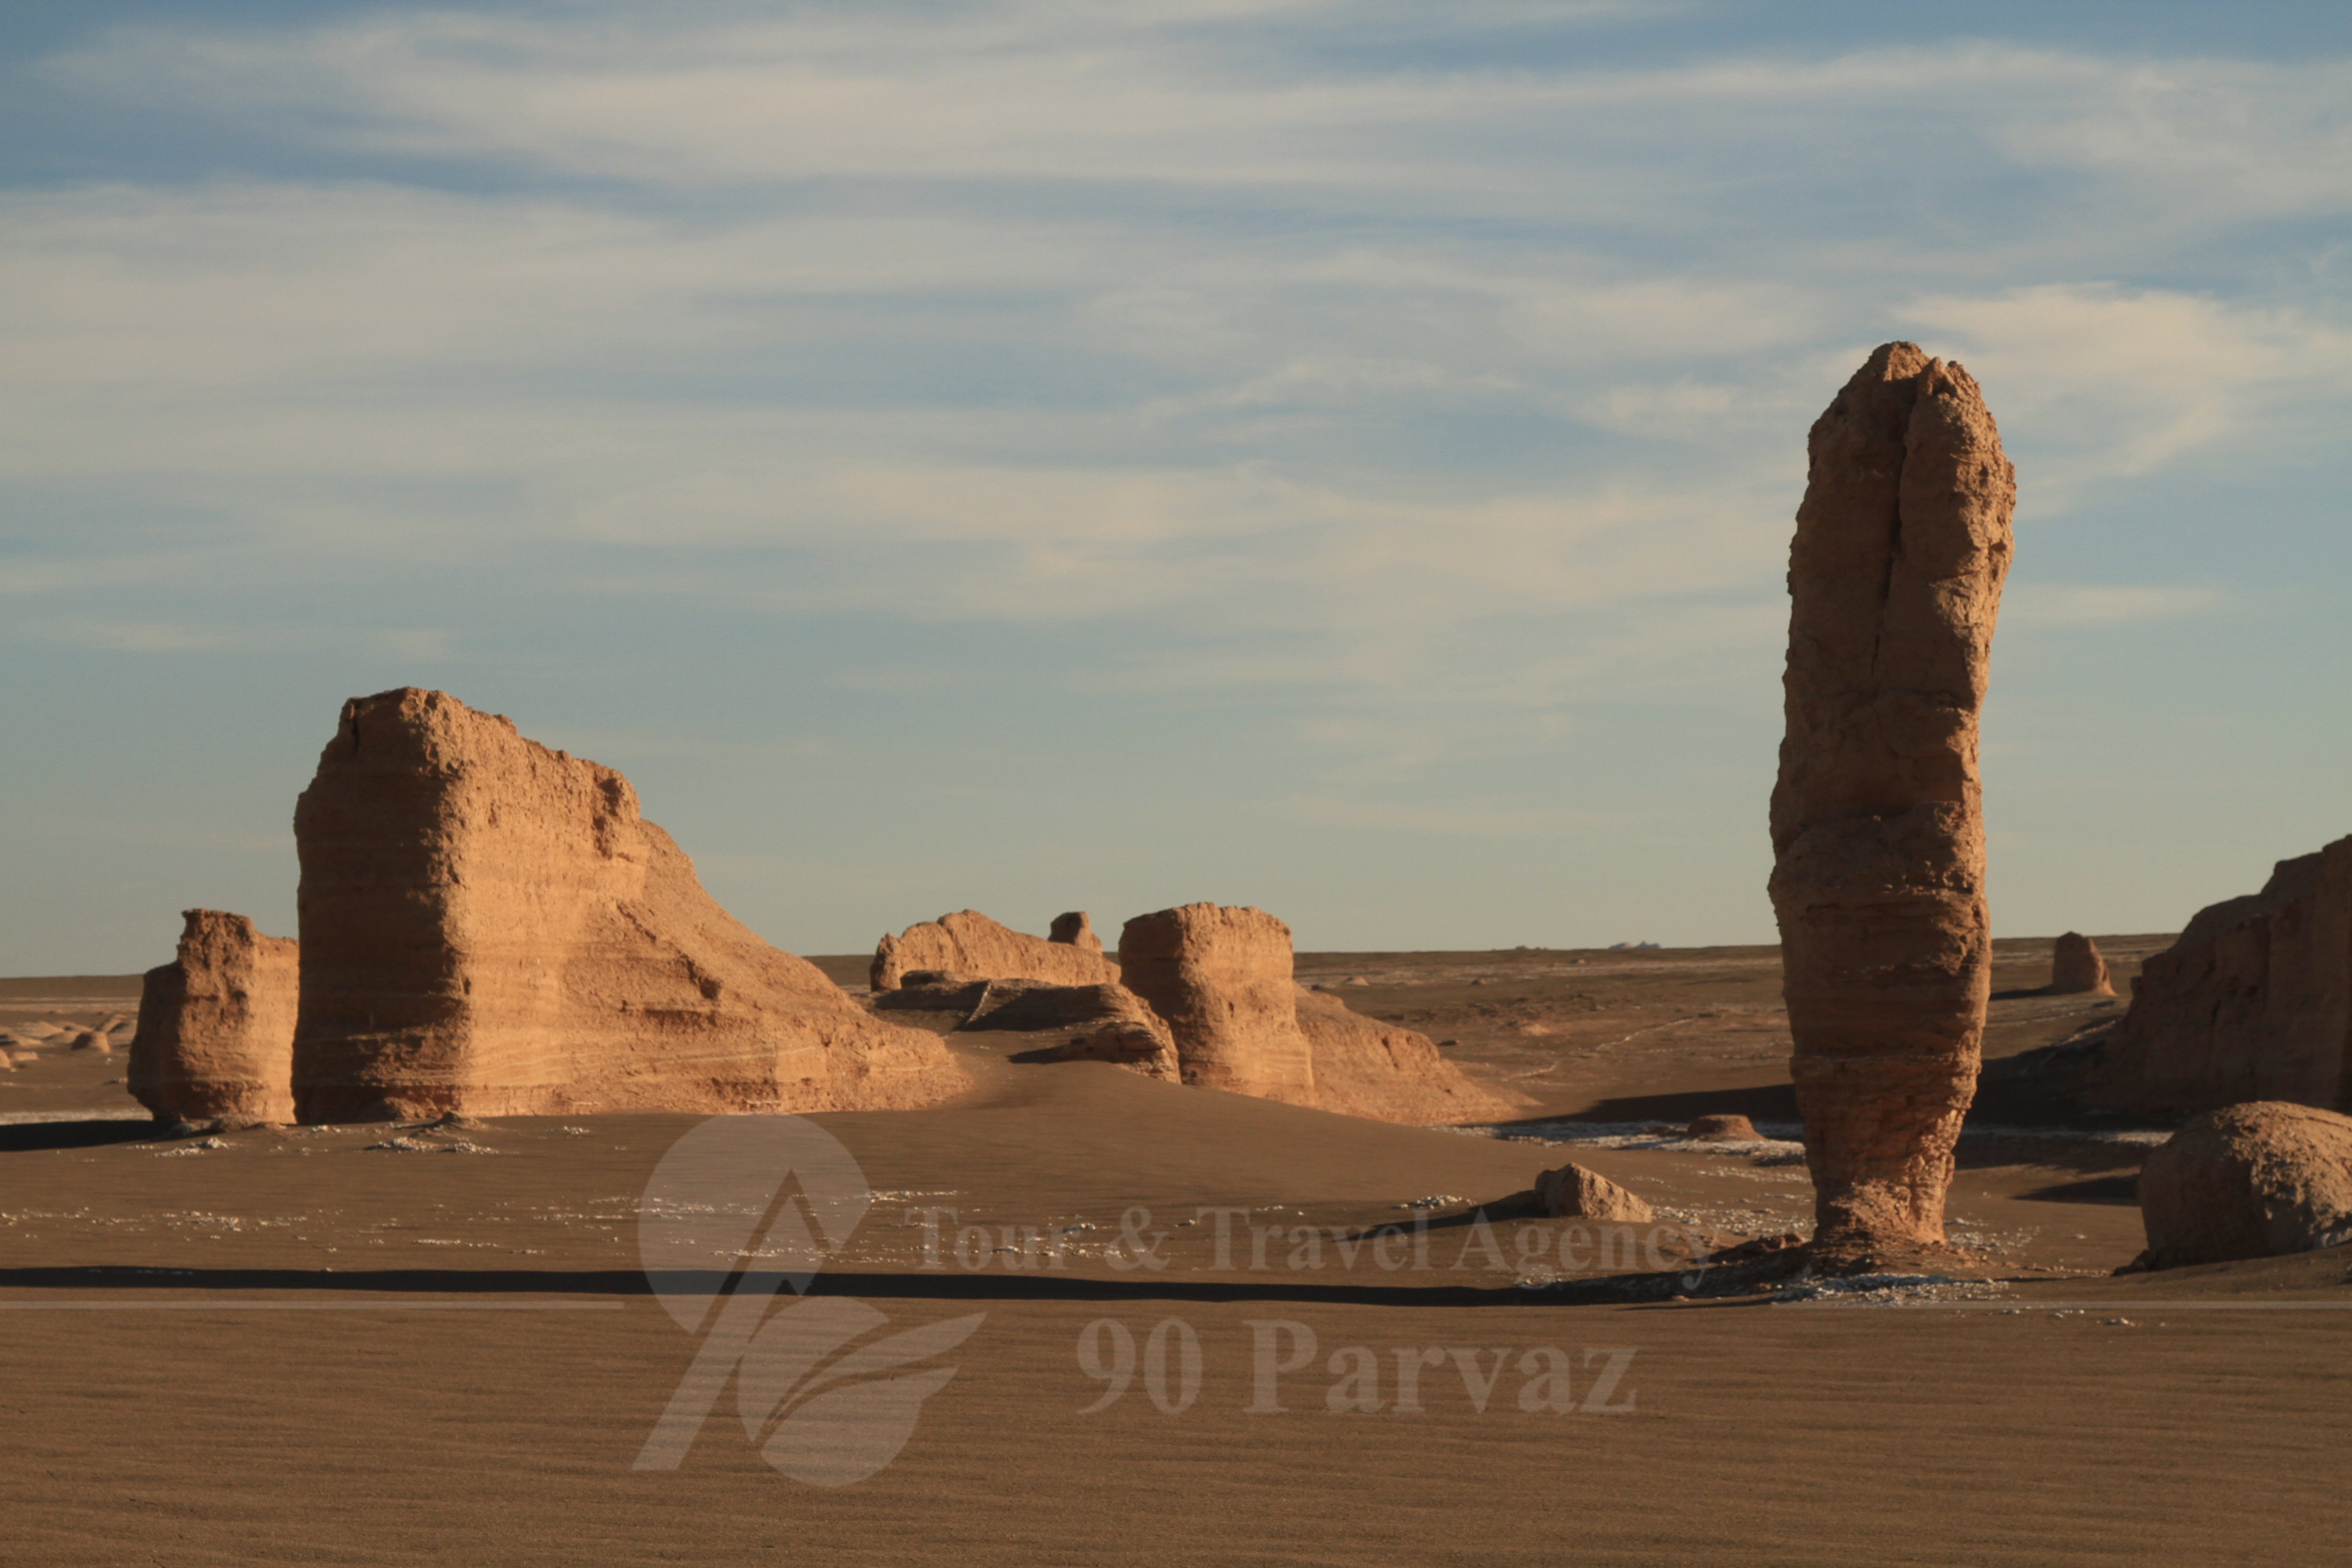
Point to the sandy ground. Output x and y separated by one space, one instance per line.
298 1346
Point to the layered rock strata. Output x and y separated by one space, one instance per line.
2253 1001
490 928
1902 544
1221 980
2261 1180
969 945
216 1031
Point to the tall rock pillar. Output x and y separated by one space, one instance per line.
1895 579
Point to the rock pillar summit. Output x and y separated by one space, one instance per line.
1895 578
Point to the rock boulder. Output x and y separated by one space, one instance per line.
1894 577
2261 1180
970 945
1722 1130
490 928
215 1032
1574 1192
2077 970
2253 1002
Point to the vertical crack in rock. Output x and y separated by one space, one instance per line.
1877 826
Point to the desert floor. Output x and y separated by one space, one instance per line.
299 1346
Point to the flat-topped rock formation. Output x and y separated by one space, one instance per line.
1221 980
1894 577
1367 1067
490 927
2261 1180
2253 1001
216 1031
969 945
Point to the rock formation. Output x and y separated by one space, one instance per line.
1366 1067
2077 970
91 1040
1722 1130
2262 1180
2253 1002
1574 1192
969 945
1073 930
215 1036
490 928
1902 543
1220 979
1099 1022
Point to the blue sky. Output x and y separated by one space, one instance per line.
1338 457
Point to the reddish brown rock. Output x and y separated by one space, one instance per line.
216 1035
1902 544
970 945
1073 930
2077 970
1095 1022
2263 1180
1220 979
1366 1067
2253 1001
1574 1192
490 928
1722 1130
91 1040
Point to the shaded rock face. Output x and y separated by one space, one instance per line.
970 945
1574 1192
2254 1001
2262 1180
1073 930
2077 970
216 1034
1366 1067
1894 577
1101 1022
490 928
1221 980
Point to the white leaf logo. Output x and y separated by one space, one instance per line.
851 1431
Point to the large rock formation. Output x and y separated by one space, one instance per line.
1221 980
970 945
1894 576
2262 1180
2077 970
2253 1002
490 927
1366 1067
215 1034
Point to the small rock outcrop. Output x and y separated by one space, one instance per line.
969 945
1574 1192
2077 970
1367 1067
1894 577
92 1040
215 1032
1722 1130
490 928
1097 1022
2253 1002
1073 930
2263 1180
1221 980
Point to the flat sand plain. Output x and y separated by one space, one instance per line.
291 1346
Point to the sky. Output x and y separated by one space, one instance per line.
1338 457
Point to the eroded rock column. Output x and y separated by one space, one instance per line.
1895 579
